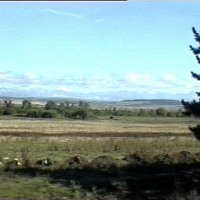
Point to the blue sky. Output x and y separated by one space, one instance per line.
98 50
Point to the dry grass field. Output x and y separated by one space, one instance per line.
118 137
90 138
122 141
119 127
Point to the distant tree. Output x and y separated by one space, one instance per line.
161 112
50 105
80 113
26 104
8 104
49 114
67 103
114 111
80 103
83 104
143 113
61 106
61 109
193 108
152 113
34 113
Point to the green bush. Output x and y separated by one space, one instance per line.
1 110
172 114
152 113
161 112
34 113
80 113
49 114
9 111
143 113
50 105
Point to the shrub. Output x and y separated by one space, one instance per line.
135 159
143 113
81 113
102 162
50 105
161 112
35 113
75 162
9 111
172 114
49 114
12 165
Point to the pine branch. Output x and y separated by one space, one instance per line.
197 76
198 59
196 34
196 51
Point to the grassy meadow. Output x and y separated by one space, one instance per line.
121 144
103 126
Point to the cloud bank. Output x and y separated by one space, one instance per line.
104 87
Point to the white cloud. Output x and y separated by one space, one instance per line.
140 84
63 89
3 72
104 81
3 76
30 75
74 15
169 77
64 13
30 78
137 78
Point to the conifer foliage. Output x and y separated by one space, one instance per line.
193 108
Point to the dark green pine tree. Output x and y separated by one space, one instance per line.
193 108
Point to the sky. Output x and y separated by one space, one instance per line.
98 50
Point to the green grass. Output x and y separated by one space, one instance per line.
59 148
19 187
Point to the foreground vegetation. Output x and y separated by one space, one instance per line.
96 169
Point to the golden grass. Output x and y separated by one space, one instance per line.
122 127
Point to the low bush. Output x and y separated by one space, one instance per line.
34 113
102 162
75 162
49 114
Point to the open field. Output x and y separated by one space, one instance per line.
118 137
119 127
126 158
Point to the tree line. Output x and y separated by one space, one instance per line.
80 110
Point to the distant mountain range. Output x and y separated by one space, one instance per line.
154 100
